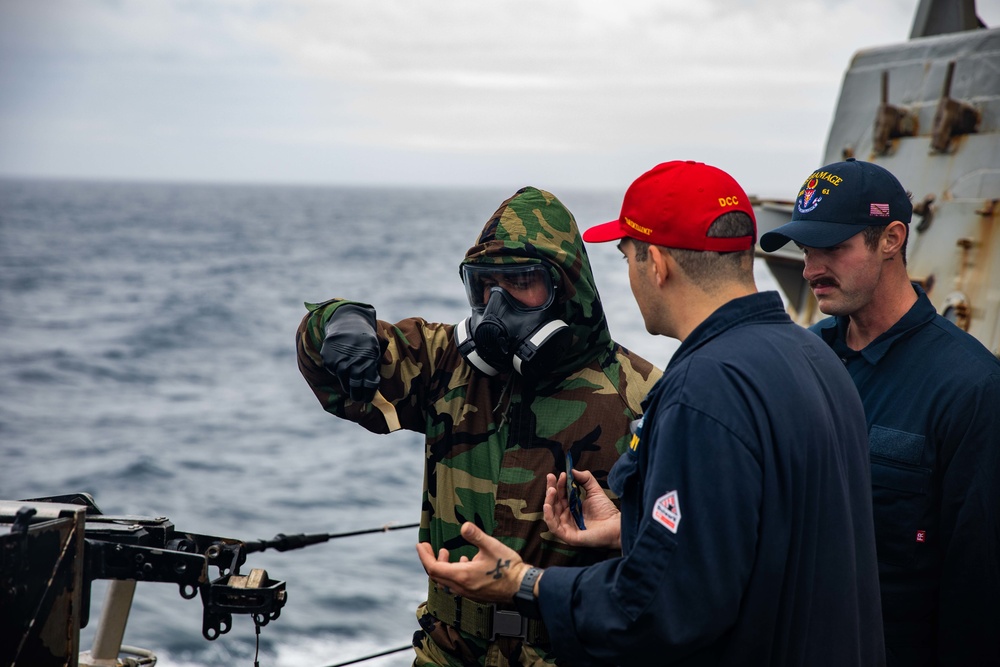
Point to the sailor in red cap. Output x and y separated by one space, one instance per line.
745 521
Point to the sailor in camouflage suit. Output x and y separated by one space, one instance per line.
494 424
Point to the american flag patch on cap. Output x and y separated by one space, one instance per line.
879 211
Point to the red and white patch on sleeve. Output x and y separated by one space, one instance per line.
667 511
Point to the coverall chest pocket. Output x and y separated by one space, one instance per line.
900 490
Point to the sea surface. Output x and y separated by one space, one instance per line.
147 358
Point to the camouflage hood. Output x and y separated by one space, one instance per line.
534 227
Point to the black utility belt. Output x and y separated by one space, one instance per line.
483 621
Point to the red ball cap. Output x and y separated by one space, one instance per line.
673 204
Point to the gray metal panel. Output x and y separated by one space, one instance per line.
935 17
916 77
960 249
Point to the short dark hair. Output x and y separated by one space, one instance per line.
710 269
874 233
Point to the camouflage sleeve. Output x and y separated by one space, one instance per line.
637 377
410 350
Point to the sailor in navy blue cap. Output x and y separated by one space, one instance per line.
841 213
839 201
930 392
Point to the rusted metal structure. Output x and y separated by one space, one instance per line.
928 110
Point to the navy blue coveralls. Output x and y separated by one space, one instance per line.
747 530
932 398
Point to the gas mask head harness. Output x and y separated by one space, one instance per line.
512 325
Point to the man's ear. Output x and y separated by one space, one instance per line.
893 238
659 260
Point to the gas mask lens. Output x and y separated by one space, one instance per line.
528 284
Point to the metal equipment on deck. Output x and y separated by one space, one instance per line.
52 549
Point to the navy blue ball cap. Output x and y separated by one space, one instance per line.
838 201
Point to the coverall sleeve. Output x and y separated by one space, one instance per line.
970 511
411 350
672 593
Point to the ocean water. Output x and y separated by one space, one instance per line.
147 358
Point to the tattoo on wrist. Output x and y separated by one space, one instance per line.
501 564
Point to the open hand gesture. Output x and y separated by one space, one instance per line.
493 575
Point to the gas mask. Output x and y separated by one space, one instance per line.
512 324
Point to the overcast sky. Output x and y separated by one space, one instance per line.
556 93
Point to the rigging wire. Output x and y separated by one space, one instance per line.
374 655
282 542
256 624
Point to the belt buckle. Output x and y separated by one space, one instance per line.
508 624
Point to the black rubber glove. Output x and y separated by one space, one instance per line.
351 351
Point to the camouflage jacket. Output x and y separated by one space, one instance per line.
491 440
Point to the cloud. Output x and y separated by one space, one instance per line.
494 85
